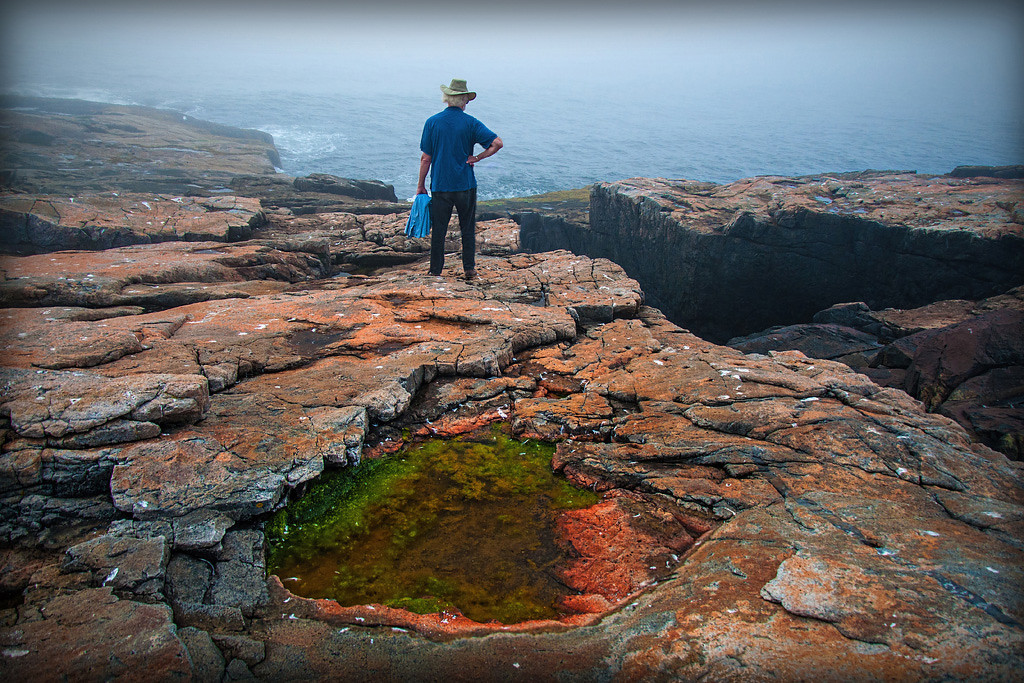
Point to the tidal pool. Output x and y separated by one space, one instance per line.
467 523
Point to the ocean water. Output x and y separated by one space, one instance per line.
715 98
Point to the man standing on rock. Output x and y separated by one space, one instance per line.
447 145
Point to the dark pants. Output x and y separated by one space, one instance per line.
441 205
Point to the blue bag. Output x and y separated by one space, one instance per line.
419 217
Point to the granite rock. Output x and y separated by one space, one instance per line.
96 636
798 517
130 565
961 358
730 260
31 224
207 660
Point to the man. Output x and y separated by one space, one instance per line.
447 144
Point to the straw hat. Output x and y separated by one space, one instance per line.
458 87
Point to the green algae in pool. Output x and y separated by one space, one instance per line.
463 523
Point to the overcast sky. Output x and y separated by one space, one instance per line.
550 40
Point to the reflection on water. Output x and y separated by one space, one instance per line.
464 524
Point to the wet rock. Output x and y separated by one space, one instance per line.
624 543
550 419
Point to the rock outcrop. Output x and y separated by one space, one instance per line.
762 515
162 399
730 260
68 147
29 225
319 193
964 359
74 148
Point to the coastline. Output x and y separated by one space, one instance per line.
167 387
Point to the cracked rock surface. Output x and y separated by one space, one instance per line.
762 516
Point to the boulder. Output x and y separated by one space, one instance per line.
817 340
358 189
84 410
207 660
126 564
949 358
285 196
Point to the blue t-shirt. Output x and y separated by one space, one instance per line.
448 137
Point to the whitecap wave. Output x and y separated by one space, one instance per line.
304 145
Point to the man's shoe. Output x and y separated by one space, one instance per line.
470 274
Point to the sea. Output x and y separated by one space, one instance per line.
715 99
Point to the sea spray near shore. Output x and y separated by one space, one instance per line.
337 135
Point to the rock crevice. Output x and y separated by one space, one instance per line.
734 259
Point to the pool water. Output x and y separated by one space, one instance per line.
466 524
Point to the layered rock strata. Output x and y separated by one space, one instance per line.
318 193
762 516
33 225
729 260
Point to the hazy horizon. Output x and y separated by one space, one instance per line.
648 78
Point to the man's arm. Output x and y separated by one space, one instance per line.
490 151
425 160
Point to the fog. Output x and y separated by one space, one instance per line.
967 49
909 64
